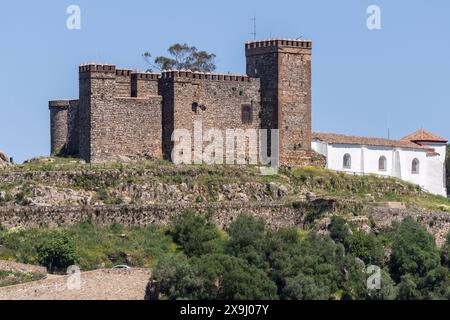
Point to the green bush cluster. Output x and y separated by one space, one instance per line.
251 261
192 259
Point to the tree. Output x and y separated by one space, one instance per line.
407 289
183 56
232 278
388 290
367 247
174 278
303 287
210 277
414 251
195 234
247 236
445 252
314 257
57 252
339 230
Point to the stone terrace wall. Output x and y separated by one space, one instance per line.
277 214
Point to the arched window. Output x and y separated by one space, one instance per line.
382 163
347 161
415 168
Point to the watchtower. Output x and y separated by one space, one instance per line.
284 69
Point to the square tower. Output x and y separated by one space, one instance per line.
284 69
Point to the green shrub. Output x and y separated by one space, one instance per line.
367 247
339 229
57 252
195 234
414 251
247 237
176 278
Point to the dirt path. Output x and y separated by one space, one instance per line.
92 285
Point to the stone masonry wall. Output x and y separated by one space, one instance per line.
122 113
284 67
214 100
276 214
58 124
73 121
118 125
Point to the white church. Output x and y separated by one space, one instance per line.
418 158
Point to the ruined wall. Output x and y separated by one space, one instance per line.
217 101
284 67
58 125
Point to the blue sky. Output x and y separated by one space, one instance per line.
363 81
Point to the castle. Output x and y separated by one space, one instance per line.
122 114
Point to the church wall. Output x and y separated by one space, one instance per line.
364 160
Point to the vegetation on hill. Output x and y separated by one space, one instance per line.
108 180
193 259
10 278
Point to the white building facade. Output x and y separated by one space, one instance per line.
418 158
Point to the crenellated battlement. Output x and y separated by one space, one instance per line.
92 67
125 113
124 72
145 76
188 74
58 104
293 43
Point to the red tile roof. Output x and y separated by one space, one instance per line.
424 136
346 139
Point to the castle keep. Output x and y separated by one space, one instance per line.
122 114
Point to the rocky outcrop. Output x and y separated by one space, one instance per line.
4 160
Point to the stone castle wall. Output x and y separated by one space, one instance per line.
284 67
215 101
126 114
58 124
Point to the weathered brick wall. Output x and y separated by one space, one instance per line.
58 125
214 100
284 67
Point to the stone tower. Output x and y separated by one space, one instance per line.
284 69
58 124
97 86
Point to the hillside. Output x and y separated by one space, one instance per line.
206 223
61 191
69 182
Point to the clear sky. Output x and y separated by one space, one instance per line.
364 81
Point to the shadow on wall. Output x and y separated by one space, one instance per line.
447 169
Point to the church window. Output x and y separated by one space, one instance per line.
382 163
347 161
415 166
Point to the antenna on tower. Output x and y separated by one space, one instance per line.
254 27
388 127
